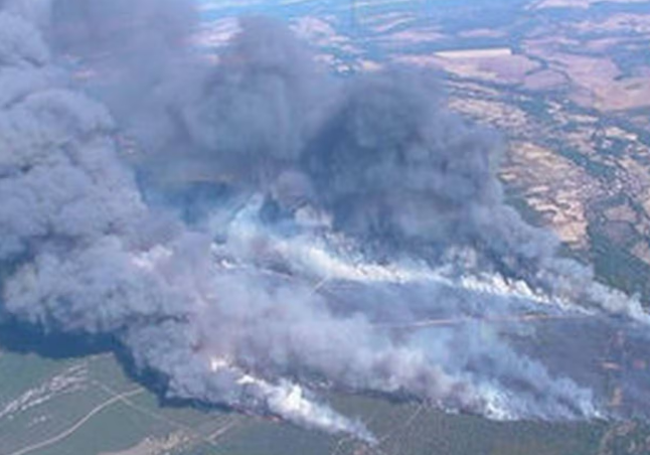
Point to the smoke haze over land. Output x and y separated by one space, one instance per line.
257 230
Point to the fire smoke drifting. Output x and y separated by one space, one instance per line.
256 231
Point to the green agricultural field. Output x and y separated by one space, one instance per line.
101 411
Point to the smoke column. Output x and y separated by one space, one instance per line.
274 228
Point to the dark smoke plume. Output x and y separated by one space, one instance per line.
257 230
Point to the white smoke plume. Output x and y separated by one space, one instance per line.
277 231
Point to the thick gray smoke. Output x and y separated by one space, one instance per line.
275 231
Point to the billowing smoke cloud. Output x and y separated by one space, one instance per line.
352 235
